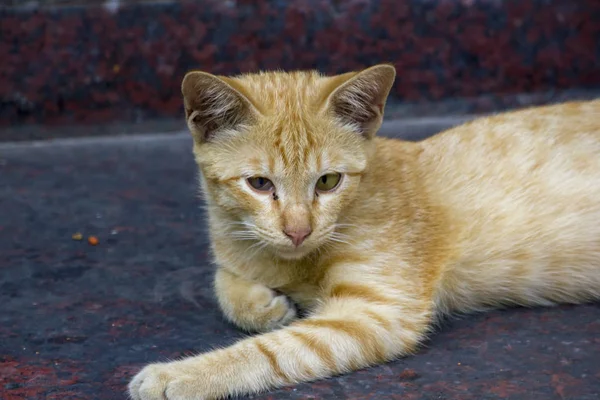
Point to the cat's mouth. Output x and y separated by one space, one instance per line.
282 248
310 246
293 253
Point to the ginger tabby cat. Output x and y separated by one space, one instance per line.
374 238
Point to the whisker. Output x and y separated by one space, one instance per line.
334 239
240 223
243 233
346 226
261 246
243 239
257 244
338 236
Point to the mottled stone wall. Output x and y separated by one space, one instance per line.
95 63
53 3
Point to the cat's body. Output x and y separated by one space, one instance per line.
502 210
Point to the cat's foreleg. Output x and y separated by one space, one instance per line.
356 326
252 306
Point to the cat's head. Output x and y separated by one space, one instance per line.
282 154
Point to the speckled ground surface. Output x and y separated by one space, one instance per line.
94 64
77 321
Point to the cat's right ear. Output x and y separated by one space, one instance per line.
214 105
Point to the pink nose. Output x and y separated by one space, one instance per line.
297 235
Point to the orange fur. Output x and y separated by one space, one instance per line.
499 211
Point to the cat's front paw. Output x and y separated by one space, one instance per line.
267 311
251 305
168 382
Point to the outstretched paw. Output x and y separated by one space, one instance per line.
167 382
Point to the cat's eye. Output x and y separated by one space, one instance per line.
261 184
328 182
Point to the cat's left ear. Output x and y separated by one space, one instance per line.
360 100
214 105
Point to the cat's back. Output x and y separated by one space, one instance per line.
529 138
522 194
554 147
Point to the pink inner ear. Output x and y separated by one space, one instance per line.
380 107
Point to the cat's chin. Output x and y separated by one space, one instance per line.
293 253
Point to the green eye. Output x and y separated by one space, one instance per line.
261 184
328 182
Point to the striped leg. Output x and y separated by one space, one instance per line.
355 327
